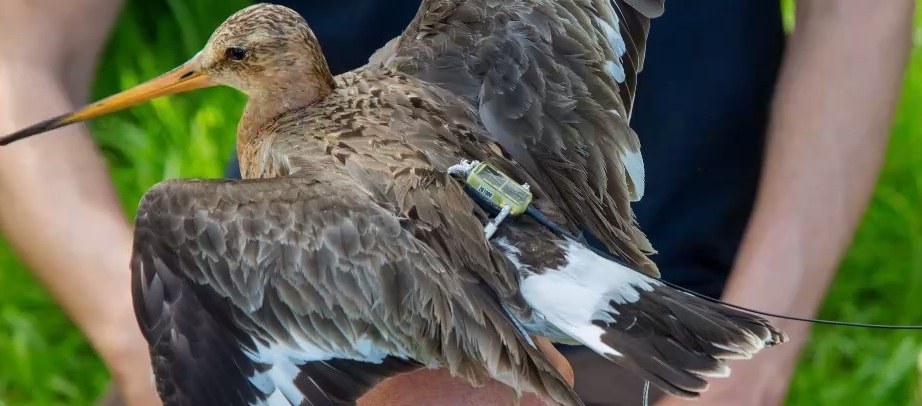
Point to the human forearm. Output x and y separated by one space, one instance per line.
437 387
60 211
828 133
830 121
829 124
61 215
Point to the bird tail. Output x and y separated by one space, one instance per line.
671 338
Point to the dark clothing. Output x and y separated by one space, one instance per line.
700 112
350 31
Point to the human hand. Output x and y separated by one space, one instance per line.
758 382
431 387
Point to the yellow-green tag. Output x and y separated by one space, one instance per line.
499 189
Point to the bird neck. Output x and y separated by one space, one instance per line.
264 108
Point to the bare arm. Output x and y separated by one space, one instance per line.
60 211
829 130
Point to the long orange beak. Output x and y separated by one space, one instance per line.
184 78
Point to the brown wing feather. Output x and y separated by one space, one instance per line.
553 82
397 138
312 266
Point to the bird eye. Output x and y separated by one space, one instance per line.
235 53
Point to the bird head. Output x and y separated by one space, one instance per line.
265 51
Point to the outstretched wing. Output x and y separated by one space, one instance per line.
305 291
553 81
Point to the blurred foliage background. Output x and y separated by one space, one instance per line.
45 361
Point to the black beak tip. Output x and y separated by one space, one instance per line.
11 138
36 129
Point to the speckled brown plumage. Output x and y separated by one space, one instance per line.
348 253
537 71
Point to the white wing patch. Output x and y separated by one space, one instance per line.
615 68
276 399
584 290
284 362
278 380
633 164
633 161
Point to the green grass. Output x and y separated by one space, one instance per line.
45 361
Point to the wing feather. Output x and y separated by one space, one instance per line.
553 82
307 291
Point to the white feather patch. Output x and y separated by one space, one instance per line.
284 361
633 165
583 290
614 67
277 399
278 380
615 41
615 70
633 161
